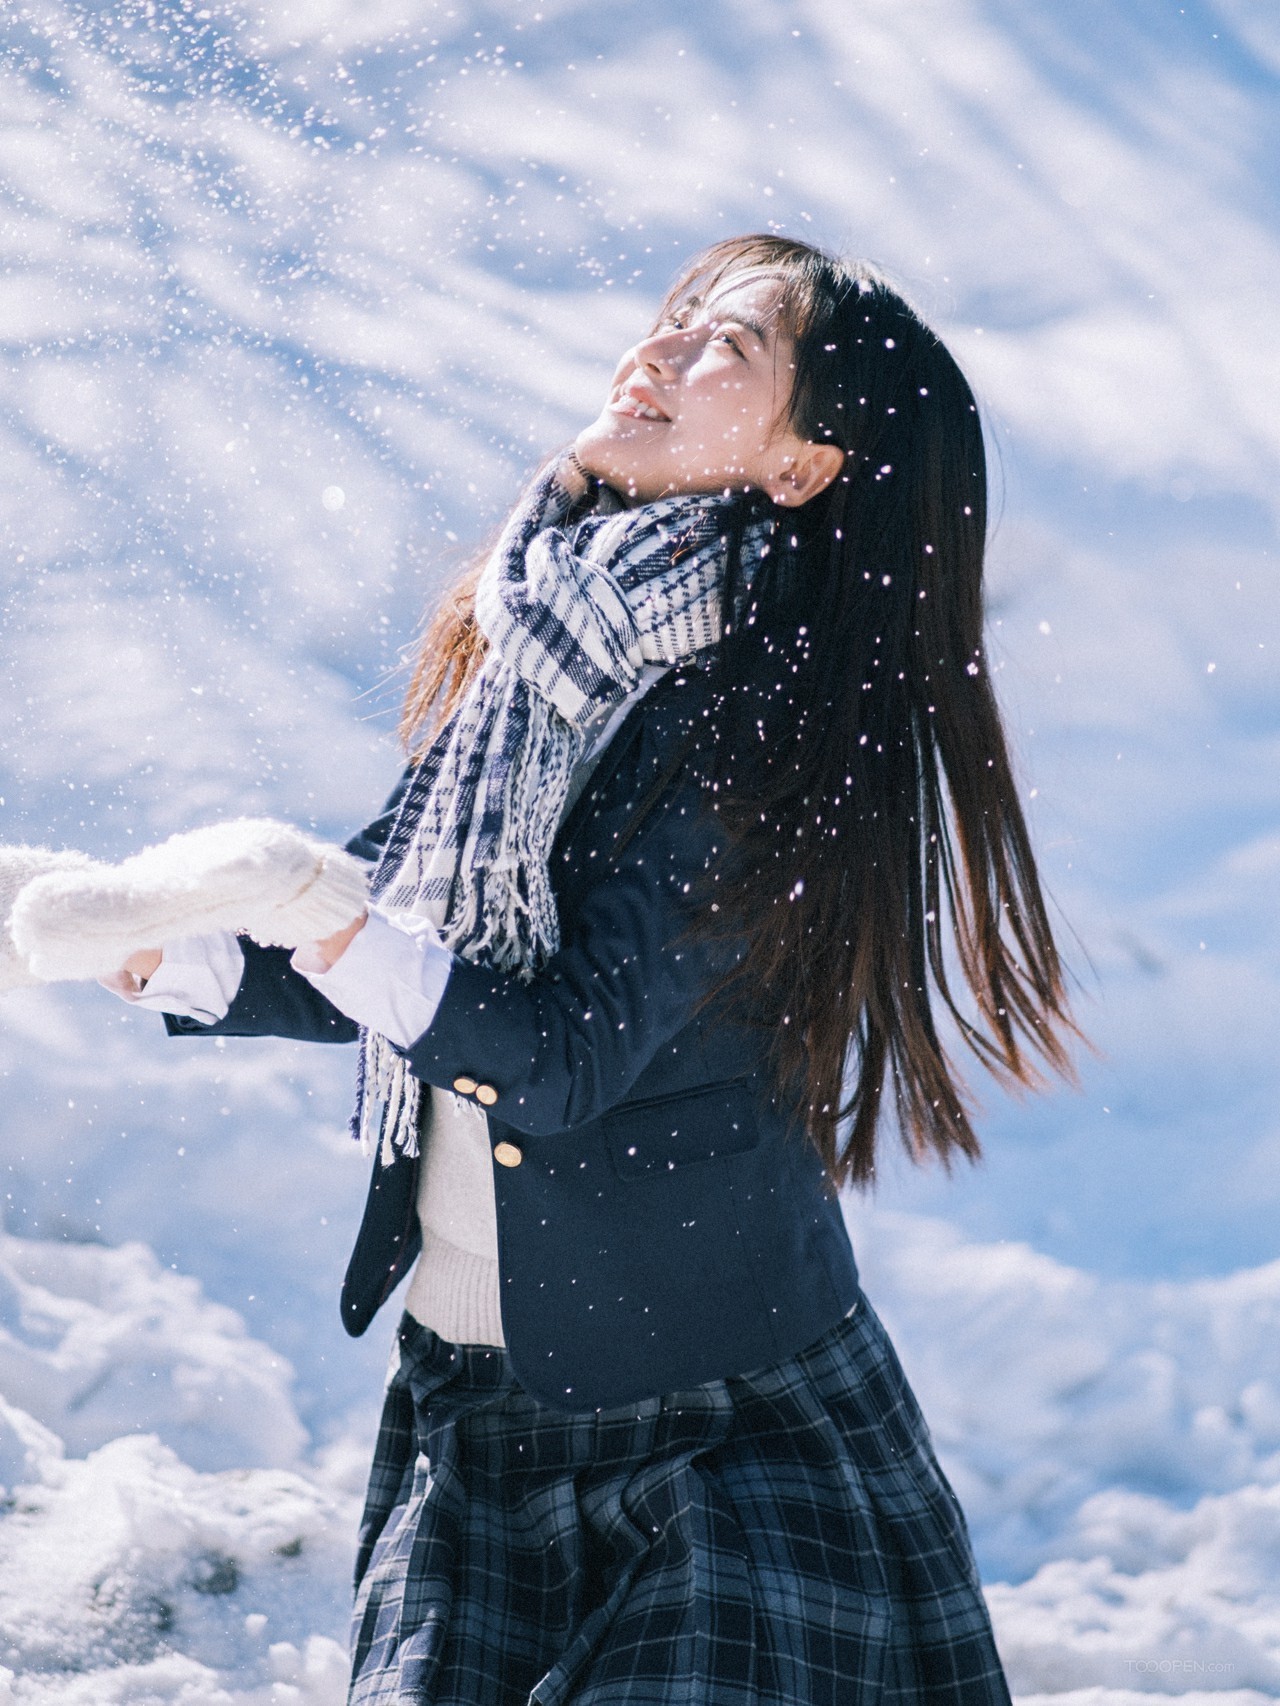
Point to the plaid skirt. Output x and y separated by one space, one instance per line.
781 1539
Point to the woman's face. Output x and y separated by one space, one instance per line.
701 405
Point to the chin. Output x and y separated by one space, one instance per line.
604 455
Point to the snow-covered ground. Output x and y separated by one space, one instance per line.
292 296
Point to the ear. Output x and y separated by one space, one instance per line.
806 471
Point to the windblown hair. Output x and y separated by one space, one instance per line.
879 852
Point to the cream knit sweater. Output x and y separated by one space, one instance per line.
454 1286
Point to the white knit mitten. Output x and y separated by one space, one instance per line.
267 880
18 867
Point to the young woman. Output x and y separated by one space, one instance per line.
709 808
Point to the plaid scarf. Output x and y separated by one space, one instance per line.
571 613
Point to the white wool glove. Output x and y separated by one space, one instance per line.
262 879
18 867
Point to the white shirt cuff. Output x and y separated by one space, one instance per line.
197 979
390 978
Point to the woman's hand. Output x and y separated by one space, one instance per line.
323 956
143 965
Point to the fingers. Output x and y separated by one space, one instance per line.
144 964
322 956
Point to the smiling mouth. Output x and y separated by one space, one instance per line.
636 410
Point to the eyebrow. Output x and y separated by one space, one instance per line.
749 326
758 332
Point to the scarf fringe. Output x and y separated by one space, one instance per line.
388 1102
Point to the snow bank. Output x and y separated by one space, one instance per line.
125 1573
315 1675
128 1554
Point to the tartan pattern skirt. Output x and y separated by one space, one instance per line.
784 1538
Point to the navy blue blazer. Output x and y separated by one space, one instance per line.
658 1224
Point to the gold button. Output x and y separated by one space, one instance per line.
508 1154
487 1094
465 1086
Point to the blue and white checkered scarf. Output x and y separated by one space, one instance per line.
572 614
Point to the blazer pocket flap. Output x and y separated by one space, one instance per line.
661 1134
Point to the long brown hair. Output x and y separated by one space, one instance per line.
878 845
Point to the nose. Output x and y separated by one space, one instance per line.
667 351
